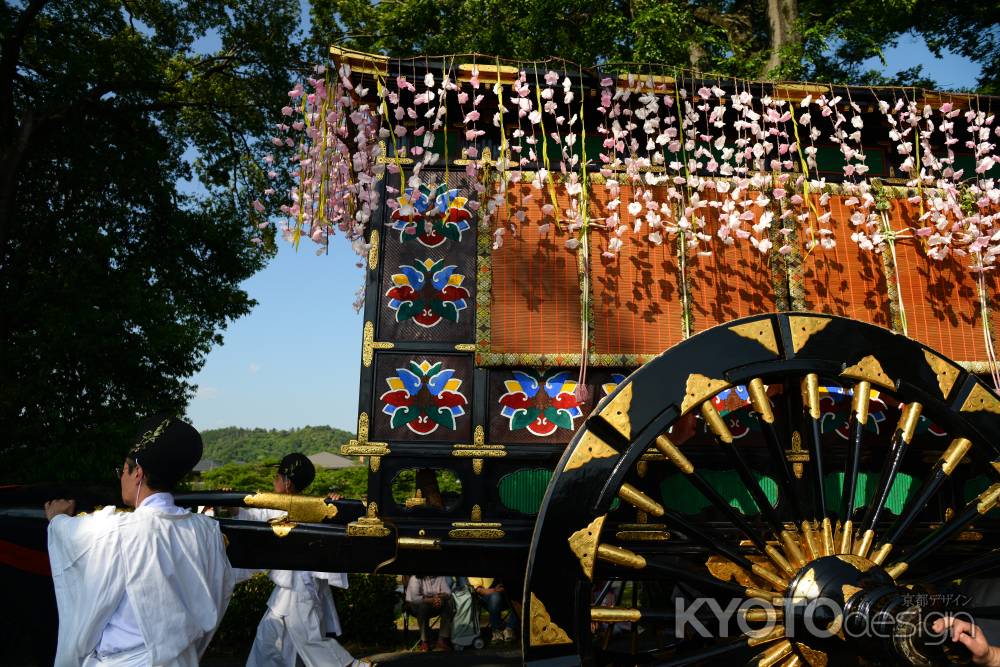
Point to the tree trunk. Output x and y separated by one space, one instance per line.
695 55
782 17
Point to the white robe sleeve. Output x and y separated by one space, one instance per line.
84 555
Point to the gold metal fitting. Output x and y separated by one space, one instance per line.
620 556
774 653
954 454
779 559
792 549
761 403
420 543
640 500
881 554
897 569
827 537
862 397
909 420
988 499
716 423
614 615
777 632
777 582
846 534
864 544
300 509
762 615
810 389
811 541
673 454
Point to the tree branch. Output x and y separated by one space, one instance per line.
9 55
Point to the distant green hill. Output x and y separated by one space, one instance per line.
246 445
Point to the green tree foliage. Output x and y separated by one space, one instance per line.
971 29
245 445
114 284
250 477
795 39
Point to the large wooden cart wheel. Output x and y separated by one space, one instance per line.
822 533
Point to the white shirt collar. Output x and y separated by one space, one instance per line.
162 502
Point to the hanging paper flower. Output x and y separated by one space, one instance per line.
540 404
423 397
431 214
427 293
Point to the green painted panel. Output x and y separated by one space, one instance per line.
968 163
902 487
829 159
522 491
680 495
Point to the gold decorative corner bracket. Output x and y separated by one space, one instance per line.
946 373
588 448
361 446
616 411
700 388
804 328
543 631
465 347
981 400
583 543
761 331
871 370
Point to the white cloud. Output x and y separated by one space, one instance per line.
254 367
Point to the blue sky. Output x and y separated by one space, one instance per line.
296 359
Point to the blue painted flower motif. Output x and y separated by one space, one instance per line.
423 397
428 292
540 405
431 215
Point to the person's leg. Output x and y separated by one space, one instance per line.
494 605
306 635
422 612
268 644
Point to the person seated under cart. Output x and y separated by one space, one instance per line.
493 595
427 597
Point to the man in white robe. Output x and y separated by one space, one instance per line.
300 612
147 587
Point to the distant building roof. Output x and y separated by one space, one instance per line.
328 460
206 464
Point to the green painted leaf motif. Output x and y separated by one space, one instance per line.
407 236
447 231
447 310
409 309
404 416
443 417
523 418
559 418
